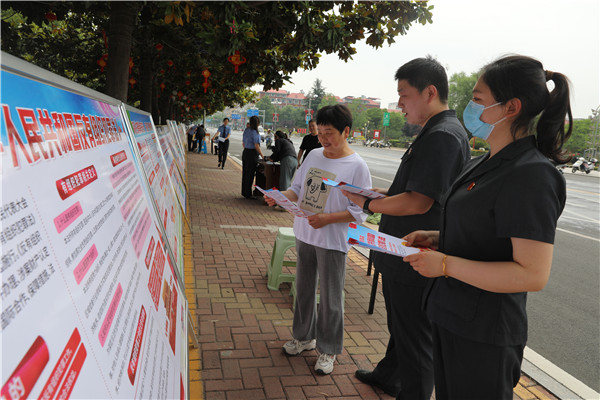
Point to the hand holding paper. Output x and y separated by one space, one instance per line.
353 189
365 237
283 202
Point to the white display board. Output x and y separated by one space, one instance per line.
157 177
167 145
91 307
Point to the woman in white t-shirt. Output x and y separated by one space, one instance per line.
321 244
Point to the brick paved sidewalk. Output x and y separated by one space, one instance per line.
241 324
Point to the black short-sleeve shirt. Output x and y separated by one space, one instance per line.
309 142
429 167
517 193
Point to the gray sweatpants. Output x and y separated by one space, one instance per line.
326 325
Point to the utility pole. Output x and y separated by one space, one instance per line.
594 128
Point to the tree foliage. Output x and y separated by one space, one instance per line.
315 95
174 43
460 92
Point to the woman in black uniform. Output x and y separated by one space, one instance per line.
497 232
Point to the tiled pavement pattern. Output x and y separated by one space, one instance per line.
241 324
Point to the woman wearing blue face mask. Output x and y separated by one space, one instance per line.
497 230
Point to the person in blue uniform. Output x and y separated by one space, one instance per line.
251 143
223 133
428 168
497 232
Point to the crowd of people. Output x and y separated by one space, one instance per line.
456 313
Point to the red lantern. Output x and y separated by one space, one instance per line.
236 60
102 62
130 64
205 74
170 63
162 86
188 82
50 16
180 94
158 47
132 81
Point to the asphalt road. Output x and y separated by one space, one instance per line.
564 318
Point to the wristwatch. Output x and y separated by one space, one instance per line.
366 207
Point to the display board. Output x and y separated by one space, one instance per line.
91 307
158 180
167 145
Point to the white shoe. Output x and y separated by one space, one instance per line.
295 347
324 364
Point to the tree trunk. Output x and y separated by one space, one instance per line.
122 21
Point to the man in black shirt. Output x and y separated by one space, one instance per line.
309 142
428 168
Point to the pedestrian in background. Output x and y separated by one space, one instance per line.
428 168
498 226
223 133
284 152
321 244
309 142
191 137
251 143
200 137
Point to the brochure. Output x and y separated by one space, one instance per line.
365 237
284 202
353 189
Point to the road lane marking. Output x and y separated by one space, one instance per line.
578 234
383 179
581 216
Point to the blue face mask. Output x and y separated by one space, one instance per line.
475 125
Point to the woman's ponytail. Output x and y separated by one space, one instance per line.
551 134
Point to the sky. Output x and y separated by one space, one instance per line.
467 34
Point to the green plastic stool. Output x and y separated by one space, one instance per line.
284 241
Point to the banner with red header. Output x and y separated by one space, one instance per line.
91 307
159 180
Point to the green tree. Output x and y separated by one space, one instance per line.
265 104
460 92
172 43
397 121
580 139
375 118
315 95
328 100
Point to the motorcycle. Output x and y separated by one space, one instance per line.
583 165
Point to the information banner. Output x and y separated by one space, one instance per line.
177 134
166 145
157 177
91 307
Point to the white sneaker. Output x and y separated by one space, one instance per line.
324 364
295 347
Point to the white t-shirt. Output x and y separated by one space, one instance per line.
316 197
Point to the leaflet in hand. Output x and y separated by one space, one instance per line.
221 139
353 189
365 237
283 202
